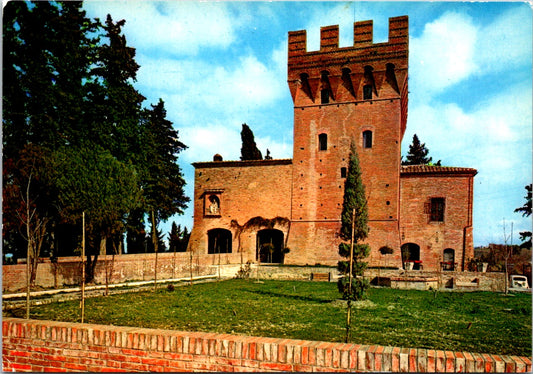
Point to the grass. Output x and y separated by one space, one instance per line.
477 322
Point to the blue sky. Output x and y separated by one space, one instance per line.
220 64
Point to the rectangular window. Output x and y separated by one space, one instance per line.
367 139
324 96
343 172
437 209
367 92
323 142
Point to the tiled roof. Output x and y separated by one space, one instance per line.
432 169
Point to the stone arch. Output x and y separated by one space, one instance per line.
270 245
219 241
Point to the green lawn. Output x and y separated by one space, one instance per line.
476 322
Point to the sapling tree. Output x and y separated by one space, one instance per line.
354 230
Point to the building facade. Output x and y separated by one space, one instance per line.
259 209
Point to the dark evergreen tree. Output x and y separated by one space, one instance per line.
249 150
354 229
162 179
525 236
178 238
115 111
68 85
161 246
136 231
418 154
82 176
47 55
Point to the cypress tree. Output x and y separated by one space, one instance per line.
354 199
354 229
249 150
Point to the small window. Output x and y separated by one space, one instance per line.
323 142
367 92
324 96
343 172
367 139
437 209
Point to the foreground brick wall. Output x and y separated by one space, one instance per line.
30 345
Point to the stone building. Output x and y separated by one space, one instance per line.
254 210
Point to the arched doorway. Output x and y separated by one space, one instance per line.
448 259
270 246
411 254
219 241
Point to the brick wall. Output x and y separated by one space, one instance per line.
246 189
318 186
455 185
37 346
132 267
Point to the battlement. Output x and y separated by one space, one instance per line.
362 34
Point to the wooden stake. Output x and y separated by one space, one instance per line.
349 304
83 268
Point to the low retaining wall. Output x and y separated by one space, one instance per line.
457 280
31 345
138 267
122 268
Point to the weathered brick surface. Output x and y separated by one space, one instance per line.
308 190
26 349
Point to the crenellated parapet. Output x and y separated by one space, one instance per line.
359 72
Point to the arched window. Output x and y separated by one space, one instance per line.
214 205
219 241
448 259
323 142
411 256
270 246
367 139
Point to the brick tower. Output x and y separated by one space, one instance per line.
340 95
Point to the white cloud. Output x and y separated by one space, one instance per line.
503 44
493 137
444 53
170 27
207 140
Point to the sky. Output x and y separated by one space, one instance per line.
217 65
